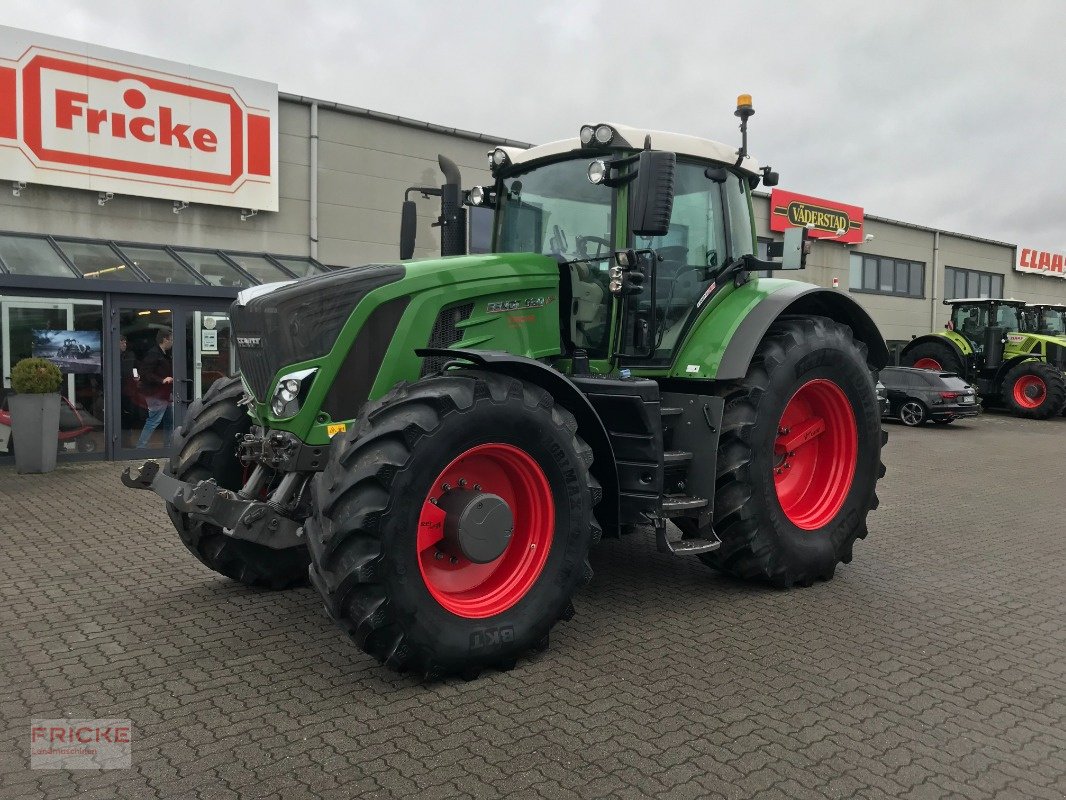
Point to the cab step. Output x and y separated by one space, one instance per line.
684 547
675 457
677 505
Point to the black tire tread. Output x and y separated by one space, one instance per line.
1056 389
942 352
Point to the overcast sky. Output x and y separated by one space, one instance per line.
948 114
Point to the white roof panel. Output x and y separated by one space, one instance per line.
628 137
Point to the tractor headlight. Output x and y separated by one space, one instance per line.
604 134
597 172
289 393
587 132
476 196
498 158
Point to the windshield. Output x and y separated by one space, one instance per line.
554 210
1048 321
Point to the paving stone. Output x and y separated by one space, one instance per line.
931 666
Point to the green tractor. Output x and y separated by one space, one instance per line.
993 345
443 441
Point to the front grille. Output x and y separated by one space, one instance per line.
445 333
300 321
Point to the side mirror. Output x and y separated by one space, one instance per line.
652 193
795 248
408 226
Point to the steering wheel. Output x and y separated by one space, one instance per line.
603 246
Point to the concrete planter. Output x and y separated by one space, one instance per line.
35 429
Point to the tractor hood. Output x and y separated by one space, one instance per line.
280 324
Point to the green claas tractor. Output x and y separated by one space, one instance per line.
442 441
990 343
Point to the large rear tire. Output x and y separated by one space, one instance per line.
799 456
388 557
206 447
932 355
1034 390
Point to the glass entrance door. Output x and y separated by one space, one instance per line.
210 350
168 355
148 377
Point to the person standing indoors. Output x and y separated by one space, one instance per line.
157 382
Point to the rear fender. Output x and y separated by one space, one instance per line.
723 341
953 341
1011 363
565 393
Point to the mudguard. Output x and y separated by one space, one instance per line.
563 390
953 340
721 344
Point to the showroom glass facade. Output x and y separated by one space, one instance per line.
98 309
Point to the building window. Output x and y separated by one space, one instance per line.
971 283
881 275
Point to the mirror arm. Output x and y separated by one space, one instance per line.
425 191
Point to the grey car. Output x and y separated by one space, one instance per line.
916 396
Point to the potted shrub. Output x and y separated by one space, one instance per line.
35 414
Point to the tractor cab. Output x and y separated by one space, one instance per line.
1044 319
649 229
985 324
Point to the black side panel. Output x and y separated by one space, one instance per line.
697 431
351 387
629 410
800 299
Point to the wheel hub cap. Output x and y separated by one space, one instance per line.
477 524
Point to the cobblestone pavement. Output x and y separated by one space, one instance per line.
932 666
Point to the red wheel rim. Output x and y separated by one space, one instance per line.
1030 391
815 454
928 363
472 590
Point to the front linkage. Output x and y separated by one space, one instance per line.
235 513
249 514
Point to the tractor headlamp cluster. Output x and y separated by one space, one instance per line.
597 135
498 158
479 196
290 391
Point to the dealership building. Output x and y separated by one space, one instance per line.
139 195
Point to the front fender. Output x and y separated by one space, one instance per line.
722 342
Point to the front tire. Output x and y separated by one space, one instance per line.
206 447
388 555
799 456
934 356
1034 390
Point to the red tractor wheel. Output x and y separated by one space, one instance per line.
452 525
799 456
1035 390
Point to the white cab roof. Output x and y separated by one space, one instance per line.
627 137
